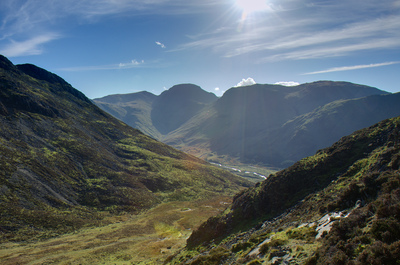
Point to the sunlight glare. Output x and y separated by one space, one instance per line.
250 6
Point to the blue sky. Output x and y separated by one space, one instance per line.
107 47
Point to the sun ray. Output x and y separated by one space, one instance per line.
250 6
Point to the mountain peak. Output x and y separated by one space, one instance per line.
125 98
6 64
189 90
44 75
167 114
41 74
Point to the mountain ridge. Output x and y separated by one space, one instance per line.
234 125
65 163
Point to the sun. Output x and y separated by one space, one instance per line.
250 6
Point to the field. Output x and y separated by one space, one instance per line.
147 238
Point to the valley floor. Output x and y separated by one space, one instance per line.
147 238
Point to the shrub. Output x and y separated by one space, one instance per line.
304 233
376 254
241 246
386 230
215 257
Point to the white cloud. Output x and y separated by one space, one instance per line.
246 82
216 89
160 44
287 83
348 68
28 47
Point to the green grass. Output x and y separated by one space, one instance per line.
147 238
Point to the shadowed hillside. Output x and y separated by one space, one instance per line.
255 124
269 125
64 162
177 105
133 109
340 206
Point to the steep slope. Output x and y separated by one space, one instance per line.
242 123
134 109
157 115
303 135
340 206
177 105
62 159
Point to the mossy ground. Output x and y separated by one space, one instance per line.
147 238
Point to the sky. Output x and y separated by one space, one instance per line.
104 47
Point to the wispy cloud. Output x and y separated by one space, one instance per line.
34 21
348 68
31 46
160 44
310 31
128 65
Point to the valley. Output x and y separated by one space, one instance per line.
145 238
249 172
271 126
79 185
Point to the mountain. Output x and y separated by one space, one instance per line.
306 133
65 163
177 105
157 115
255 124
134 109
271 125
340 206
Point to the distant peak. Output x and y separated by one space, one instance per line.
188 90
184 87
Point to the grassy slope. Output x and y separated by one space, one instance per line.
361 169
66 164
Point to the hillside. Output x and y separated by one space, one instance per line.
305 134
177 105
255 124
133 109
157 115
65 163
267 125
340 206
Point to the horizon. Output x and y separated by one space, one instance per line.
119 47
243 83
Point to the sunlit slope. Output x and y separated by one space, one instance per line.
340 206
62 159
